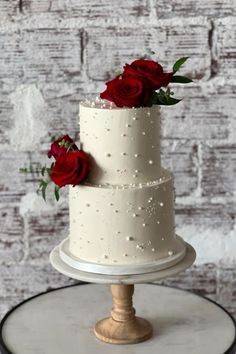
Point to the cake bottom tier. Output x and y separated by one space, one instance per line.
124 225
122 269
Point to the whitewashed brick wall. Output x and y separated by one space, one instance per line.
53 53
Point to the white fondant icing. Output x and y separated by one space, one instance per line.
124 213
119 148
104 266
140 226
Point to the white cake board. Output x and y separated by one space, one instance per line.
71 272
117 269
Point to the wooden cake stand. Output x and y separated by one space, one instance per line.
122 327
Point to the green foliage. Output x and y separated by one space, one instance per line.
153 99
56 192
43 184
179 63
163 98
42 188
181 79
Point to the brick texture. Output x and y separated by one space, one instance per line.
185 8
205 113
92 10
9 8
40 55
181 157
225 48
218 170
115 47
56 53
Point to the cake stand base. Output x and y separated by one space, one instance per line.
62 321
134 331
123 327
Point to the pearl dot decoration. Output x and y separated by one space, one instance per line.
144 225
140 247
136 155
129 238
161 204
150 162
170 253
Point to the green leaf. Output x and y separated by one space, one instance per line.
43 170
42 188
179 63
153 99
181 79
165 99
170 101
56 193
44 191
23 170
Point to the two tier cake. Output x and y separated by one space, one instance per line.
124 214
121 199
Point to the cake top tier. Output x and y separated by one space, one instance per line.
123 142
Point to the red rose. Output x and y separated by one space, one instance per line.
150 70
127 92
61 146
70 168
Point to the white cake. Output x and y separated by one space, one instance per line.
123 215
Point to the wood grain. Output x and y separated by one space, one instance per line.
123 327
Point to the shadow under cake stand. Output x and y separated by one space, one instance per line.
122 327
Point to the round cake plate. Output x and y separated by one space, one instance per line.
116 269
61 321
71 272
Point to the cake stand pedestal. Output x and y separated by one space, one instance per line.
123 327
